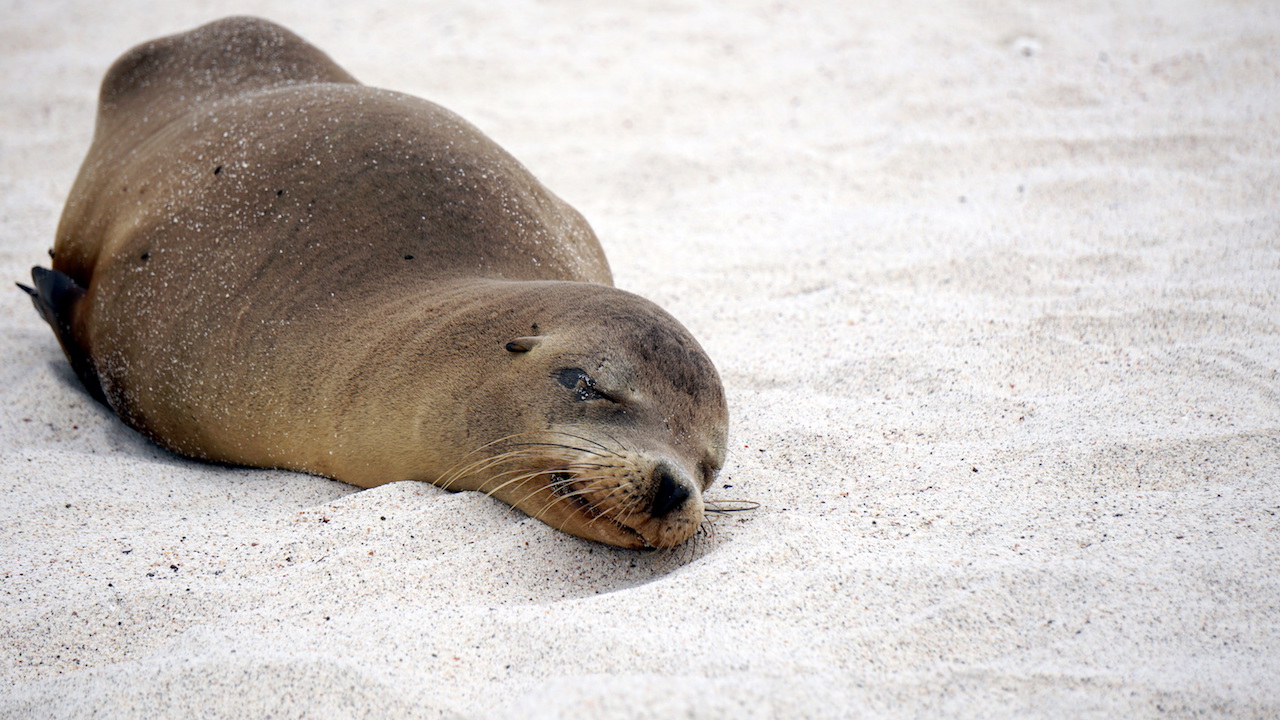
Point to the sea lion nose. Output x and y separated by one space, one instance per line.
671 492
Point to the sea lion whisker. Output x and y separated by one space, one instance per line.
530 495
619 519
578 482
454 469
459 470
630 513
592 508
520 504
589 466
481 465
584 439
514 474
593 513
491 443
561 446
616 441
552 502
725 507
589 440
516 480
495 460
588 491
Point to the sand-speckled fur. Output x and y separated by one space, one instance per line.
277 266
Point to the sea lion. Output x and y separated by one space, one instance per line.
263 262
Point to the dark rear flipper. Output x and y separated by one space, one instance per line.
55 296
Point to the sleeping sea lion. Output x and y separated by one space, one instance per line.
263 262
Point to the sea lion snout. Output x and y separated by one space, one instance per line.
670 493
598 489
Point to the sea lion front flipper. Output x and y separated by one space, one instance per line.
55 296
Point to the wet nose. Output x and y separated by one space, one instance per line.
671 492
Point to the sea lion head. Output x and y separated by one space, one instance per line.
616 418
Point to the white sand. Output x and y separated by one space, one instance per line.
995 294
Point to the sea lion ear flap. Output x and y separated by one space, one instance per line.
523 344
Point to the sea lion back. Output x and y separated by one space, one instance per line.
157 81
153 88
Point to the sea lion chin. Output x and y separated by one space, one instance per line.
263 262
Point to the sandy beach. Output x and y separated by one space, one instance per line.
994 290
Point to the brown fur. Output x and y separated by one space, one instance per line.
277 266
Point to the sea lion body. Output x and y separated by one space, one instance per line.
263 262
